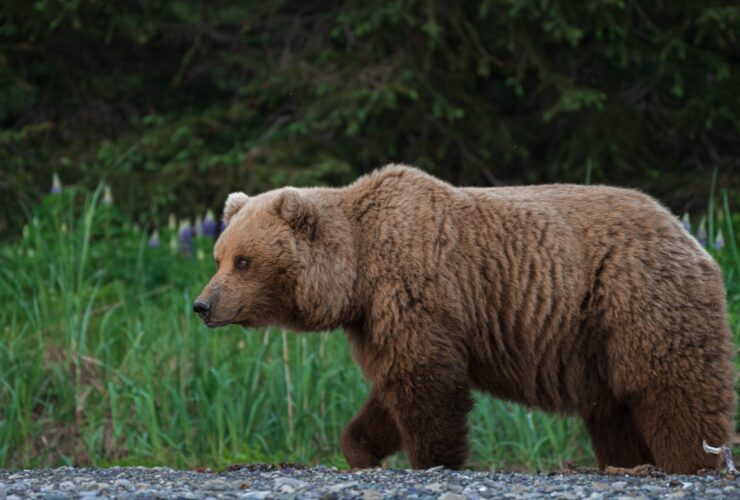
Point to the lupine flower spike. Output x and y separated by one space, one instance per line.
154 239
719 241
56 184
701 234
107 196
186 238
172 223
686 222
209 226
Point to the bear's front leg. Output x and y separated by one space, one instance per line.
430 408
370 436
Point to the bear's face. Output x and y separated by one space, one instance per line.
271 260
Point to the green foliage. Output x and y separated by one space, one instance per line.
175 103
103 362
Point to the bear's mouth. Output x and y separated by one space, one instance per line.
215 324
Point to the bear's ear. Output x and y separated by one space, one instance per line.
234 203
298 211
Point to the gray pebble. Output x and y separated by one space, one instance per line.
451 496
256 495
215 484
341 486
435 487
289 481
67 485
124 483
189 495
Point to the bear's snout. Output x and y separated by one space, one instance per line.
202 308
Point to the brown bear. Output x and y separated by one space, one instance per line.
575 299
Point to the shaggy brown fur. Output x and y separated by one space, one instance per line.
580 299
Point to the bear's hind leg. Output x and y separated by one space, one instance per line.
370 436
675 421
616 440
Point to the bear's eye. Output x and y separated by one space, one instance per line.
241 263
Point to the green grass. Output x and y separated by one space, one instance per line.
102 361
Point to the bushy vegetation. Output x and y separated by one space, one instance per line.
103 362
177 102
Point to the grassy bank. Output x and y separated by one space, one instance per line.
102 361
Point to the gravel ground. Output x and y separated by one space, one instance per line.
287 482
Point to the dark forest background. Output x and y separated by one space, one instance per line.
175 103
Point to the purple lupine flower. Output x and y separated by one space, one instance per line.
719 241
186 238
107 196
209 226
686 222
701 234
154 240
56 184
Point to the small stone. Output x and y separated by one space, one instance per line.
15 476
451 496
12 497
19 486
435 487
436 468
619 485
599 485
342 486
89 494
256 495
215 484
371 495
713 492
66 485
289 481
124 483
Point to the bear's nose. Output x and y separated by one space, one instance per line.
202 307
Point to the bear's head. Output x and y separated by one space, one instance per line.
286 257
